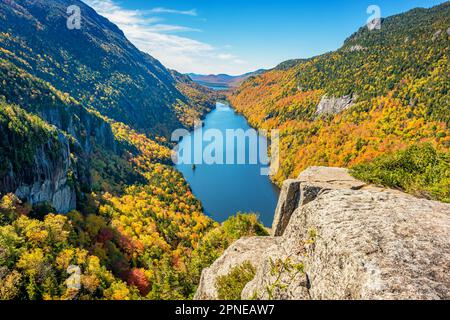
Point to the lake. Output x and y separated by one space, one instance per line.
226 189
214 86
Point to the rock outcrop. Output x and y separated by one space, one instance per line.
47 180
332 105
437 34
301 191
246 249
356 47
337 238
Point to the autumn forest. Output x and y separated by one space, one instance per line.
88 189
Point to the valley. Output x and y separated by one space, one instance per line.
86 177
89 187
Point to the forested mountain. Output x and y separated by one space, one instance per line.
82 81
84 119
382 91
96 64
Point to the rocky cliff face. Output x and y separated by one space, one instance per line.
50 178
336 238
45 178
52 173
37 167
333 105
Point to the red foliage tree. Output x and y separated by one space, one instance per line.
136 277
106 234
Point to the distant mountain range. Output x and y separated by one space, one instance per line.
223 81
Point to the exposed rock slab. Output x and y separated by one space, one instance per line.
310 183
332 105
243 250
356 47
351 241
49 182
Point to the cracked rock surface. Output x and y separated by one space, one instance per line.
345 240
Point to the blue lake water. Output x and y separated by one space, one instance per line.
214 86
225 189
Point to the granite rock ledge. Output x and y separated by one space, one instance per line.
335 237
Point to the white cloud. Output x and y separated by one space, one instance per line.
225 56
144 28
171 28
239 61
192 12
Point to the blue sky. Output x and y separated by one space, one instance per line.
238 36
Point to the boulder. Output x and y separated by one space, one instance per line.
244 250
310 183
347 240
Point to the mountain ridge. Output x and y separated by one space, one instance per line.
96 65
223 80
386 89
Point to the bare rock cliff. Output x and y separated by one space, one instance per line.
332 105
336 238
48 179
